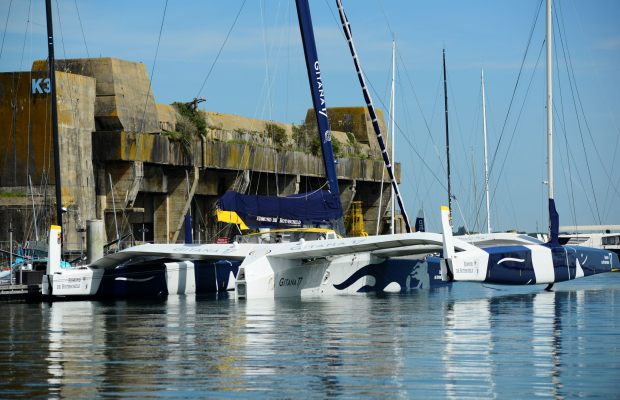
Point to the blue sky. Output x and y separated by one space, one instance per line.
473 32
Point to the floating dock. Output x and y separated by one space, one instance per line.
19 292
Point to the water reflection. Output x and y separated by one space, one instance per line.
468 346
75 337
463 342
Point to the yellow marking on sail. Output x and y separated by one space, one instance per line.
231 217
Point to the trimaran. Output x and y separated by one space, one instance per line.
346 265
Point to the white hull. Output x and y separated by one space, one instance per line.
277 277
73 282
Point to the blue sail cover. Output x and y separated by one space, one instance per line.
317 206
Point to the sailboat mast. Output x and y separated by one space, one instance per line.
473 168
373 116
392 200
549 106
554 219
318 101
486 167
52 72
445 91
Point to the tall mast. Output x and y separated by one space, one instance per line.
486 167
373 116
445 91
52 72
473 168
554 222
318 101
392 200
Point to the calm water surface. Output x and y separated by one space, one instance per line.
459 342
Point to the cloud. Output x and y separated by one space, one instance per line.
611 43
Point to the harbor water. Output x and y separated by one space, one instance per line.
464 341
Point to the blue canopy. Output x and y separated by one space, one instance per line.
319 205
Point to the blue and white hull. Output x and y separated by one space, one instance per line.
349 274
164 278
535 264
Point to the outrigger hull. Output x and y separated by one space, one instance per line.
535 264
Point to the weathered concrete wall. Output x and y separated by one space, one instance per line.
167 118
101 111
228 122
355 120
123 92
25 131
124 146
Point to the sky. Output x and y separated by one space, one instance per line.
260 73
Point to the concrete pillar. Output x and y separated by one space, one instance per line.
290 185
161 218
347 193
94 240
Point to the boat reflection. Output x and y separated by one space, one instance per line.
480 333
455 342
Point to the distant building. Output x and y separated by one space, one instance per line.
123 163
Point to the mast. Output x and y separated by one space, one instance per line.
486 167
373 116
473 168
393 109
318 102
52 72
445 92
554 220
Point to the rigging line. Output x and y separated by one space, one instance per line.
474 128
406 138
476 120
462 216
246 147
14 102
262 21
387 82
511 186
594 65
564 38
527 47
587 125
383 104
273 80
83 35
571 195
269 99
73 109
517 122
148 96
420 108
407 129
6 27
29 103
386 19
436 97
570 156
459 170
606 101
221 48
288 62
398 126
564 170
62 37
